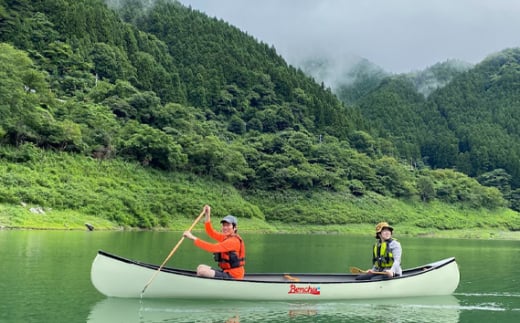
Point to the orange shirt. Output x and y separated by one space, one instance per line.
224 245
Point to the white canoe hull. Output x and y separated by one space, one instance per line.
114 276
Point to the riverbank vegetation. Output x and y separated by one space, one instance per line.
64 192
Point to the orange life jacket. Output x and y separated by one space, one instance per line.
230 259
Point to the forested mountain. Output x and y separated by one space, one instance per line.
349 77
437 76
452 115
174 90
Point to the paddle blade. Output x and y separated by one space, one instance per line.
356 270
291 278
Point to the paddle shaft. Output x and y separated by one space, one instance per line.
171 253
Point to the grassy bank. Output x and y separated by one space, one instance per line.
19 218
63 192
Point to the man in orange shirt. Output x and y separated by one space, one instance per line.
229 251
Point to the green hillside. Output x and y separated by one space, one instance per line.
137 117
468 121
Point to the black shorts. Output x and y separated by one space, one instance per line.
219 273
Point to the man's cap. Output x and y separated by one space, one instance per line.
229 219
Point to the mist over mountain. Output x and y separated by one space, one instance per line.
337 71
351 77
400 36
438 75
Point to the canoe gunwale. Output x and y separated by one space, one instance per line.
333 278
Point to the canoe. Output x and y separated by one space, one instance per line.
115 276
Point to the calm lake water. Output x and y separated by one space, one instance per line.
45 277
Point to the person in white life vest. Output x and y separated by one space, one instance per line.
386 255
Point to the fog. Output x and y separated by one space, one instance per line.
400 36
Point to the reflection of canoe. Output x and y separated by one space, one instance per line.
417 309
120 277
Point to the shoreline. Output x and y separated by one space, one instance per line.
284 228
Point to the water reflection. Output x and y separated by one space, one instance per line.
419 309
489 307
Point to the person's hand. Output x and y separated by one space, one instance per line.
207 211
389 273
370 271
189 235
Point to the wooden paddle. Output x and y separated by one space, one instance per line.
356 270
171 253
291 278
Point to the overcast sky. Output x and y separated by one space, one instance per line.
398 35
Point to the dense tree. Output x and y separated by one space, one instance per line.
175 90
150 146
426 188
498 178
111 63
